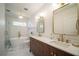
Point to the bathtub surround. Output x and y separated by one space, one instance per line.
20 47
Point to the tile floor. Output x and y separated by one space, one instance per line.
21 50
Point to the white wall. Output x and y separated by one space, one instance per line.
47 19
2 29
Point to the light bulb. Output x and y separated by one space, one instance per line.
42 14
21 17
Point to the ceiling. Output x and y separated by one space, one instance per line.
17 9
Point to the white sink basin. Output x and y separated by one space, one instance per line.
62 44
45 39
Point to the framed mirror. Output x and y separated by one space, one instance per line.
65 19
40 25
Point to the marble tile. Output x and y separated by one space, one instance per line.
21 50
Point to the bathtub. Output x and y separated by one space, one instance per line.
19 42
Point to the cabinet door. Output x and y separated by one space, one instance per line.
52 51
34 46
57 52
39 48
43 49
63 53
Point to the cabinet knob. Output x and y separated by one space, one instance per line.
52 53
55 54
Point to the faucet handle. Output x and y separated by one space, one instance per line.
58 39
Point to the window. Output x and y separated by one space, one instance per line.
15 23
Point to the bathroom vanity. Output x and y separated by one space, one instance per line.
41 47
65 22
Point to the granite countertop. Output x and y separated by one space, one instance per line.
67 47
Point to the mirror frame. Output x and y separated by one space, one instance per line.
41 19
53 21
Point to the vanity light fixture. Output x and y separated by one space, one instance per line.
56 5
42 14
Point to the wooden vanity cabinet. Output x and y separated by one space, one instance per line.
39 48
57 52
33 46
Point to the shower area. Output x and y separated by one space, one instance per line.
17 38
